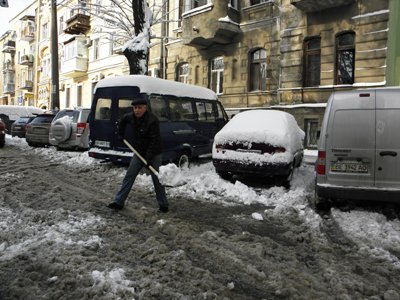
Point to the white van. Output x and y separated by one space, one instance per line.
359 147
10 113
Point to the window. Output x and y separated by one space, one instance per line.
67 97
111 44
233 3
258 70
312 61
217 74
181 110
79 95
61 25
205 111
103 109
254 2
345 58
183 72
311 126
124 107
45 31
192 4
69 51
158 107
96 49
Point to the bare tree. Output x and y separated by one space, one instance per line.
127 23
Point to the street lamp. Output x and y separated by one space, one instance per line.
55 97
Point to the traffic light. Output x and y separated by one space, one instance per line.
3 3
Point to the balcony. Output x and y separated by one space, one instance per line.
26 85
27 60
28 33
74 67
9 88
9 47
8 67
77 24
310 6
216 24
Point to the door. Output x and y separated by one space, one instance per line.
350 140
388 138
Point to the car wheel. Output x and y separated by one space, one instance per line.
289 177
2 143
321 204
183 160
61 130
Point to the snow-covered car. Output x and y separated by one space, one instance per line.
70 129
37 131
2 133
259 142
18 128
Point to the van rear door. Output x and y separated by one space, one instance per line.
350 139
387 138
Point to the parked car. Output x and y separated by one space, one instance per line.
265 143
2 133
10 113
18 128
359 148
70 129
37 131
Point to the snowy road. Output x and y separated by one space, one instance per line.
220 240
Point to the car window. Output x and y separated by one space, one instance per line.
159 108
181 110
103 109
205 111
72 114
42 119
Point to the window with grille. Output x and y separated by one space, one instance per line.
345 58
217 74
183 72
258 70
312 61
311 127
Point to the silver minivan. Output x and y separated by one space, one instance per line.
359 147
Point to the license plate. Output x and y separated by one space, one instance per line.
349 167
17 127
102 143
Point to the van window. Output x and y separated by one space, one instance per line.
124 107
103 109
159 107
182 110
205 111
220 112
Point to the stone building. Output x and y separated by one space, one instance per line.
281 54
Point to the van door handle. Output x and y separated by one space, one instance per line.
184 131
388 153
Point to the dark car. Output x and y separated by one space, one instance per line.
2 133
19 126
37 131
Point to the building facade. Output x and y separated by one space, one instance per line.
280 54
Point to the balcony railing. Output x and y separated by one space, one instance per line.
310 6
78 24
74 67
9 88
27 60
8 47
28 33
8 67
27 85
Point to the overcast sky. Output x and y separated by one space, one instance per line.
7 13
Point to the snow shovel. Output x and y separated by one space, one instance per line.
150 167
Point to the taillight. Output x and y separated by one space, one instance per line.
320 164
29 126
80 128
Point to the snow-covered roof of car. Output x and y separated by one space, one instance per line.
148 84
16 111
276 127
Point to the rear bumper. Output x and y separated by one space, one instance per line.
110 155
268 170
357 193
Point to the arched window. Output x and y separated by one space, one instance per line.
345 58
217 74
258 70
312 61
182 72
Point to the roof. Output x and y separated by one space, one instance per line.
148 84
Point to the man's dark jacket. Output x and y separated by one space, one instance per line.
146 133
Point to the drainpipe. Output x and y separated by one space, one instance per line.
55 99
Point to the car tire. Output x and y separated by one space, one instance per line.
2 143
321 204
61 130
183 160
289 177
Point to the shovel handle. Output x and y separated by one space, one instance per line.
141 157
